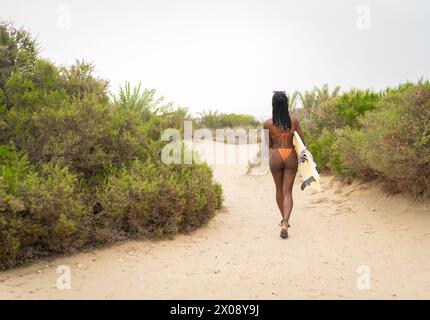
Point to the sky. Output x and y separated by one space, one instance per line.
229 55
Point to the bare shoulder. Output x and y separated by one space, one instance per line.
267 124
295 120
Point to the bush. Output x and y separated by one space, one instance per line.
215 120
42 212
142 101
146 200
219 193
139 200
349 154
45 89
85 136
202 197
366 135
18 53
350 106
78 169
321 148
398 139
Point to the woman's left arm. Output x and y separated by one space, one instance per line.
299 130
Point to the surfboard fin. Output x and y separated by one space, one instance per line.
307 182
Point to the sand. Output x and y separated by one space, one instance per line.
239 254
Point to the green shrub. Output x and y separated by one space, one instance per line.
324 112
366 134
48 85
85 136
388 136
13 167
18 52
350 106
398 139
79 82
321 148
46 89
42 212
142 101
139 200
148 200
78 169
216 120
349 154
219 195
202 198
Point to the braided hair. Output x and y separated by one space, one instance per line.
280 115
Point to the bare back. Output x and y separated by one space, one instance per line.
279 138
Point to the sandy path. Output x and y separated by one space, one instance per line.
239 255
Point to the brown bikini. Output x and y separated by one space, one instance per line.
282 141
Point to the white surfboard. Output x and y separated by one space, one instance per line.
307 166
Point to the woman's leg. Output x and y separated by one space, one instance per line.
277 170
289 176
279 194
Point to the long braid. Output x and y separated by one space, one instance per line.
280 114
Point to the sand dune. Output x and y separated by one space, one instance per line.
239 254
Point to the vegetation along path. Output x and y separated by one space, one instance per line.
346 242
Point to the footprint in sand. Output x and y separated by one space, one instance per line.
323 199
348 192
338 201
338 191
341 210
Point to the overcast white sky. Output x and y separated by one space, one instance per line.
230 55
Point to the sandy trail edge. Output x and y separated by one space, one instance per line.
239 255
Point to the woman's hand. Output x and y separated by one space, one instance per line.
303 157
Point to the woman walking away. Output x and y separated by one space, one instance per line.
283 157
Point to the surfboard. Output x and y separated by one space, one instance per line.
307 166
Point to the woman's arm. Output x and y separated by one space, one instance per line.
299 130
